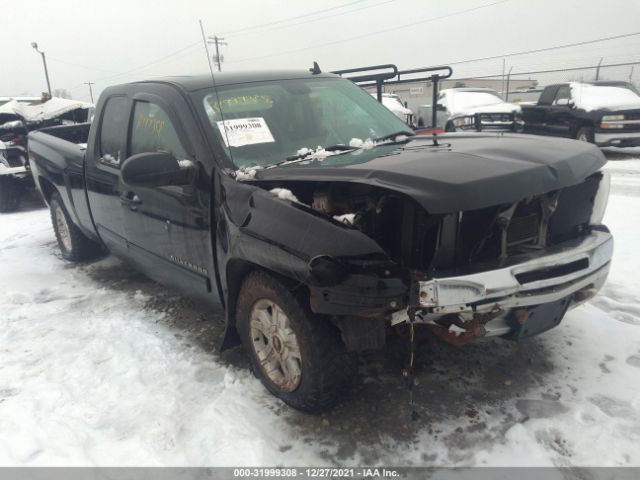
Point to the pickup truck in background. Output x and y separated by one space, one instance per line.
606 113
465 109
317 219
394 103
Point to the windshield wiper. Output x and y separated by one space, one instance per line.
342 149
309 152
392 136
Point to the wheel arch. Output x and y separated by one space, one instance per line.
236 271
47 189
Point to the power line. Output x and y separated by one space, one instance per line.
546 49
159 60
555 70
311 20
284 20
370 34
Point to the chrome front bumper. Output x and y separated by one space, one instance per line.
576 268
613 139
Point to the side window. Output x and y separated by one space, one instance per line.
563 96
152 131
114 117
548 94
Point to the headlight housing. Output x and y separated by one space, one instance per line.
463 121
612 121
612 118
600 200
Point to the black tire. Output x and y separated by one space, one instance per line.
11 191
327 370
74 245
585 134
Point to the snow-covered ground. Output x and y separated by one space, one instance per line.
99 366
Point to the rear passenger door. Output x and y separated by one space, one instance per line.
102 171
167 227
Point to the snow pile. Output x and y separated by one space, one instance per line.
52 108
596 97
88 376
347 218
284 194
367 144
185 163
465 102
247 173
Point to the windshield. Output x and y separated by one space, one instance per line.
462 100
593 97
267 122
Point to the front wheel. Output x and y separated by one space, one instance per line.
585 134
74 245
298 356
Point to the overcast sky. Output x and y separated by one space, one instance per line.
115 41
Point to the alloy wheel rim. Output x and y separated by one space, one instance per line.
63 229
275 345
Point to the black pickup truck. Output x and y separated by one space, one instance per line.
606 113
318 220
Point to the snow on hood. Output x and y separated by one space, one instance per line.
465 102
44 111
495 108
597 97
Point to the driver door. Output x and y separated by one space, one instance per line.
167 227
559 113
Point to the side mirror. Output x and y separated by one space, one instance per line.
157 169
440 107
564 102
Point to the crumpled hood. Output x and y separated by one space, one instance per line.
465 171
496 108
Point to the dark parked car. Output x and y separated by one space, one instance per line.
606 113
315 251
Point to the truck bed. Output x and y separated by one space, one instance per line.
58 152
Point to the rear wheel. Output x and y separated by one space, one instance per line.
585 134
74 245
298 356
10 194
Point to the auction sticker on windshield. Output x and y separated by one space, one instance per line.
245 131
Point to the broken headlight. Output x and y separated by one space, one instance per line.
600 200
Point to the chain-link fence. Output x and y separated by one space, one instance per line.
515 85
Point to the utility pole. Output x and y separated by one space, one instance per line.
598 68
217 41
44 62
90 91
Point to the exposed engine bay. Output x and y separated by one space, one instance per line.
428 248
418 241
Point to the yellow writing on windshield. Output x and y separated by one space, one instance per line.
242 102
154 125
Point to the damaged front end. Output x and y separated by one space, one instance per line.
372 254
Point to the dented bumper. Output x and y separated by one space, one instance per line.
498 301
